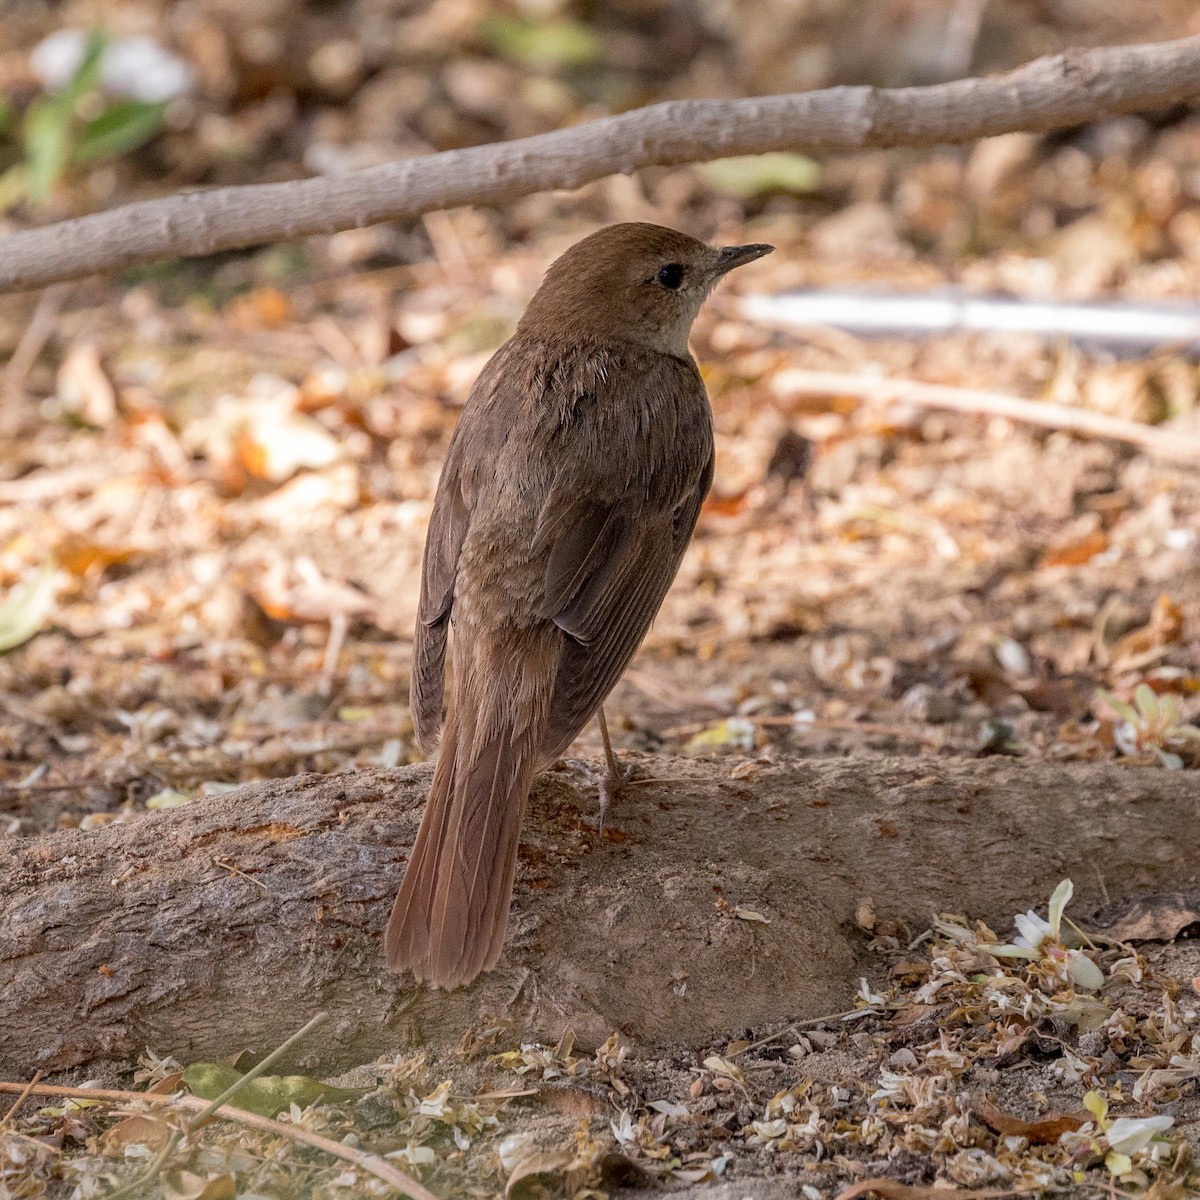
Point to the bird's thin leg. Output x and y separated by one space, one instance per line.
613 776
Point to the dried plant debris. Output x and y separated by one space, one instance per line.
969 1068
215 479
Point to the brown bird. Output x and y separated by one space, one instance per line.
570 491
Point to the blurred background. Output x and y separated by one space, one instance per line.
215 475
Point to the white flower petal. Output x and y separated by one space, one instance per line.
1011 951
1083 971
1128 1135
1033 930
1059 901
513 1149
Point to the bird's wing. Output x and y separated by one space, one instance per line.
608 570
443 543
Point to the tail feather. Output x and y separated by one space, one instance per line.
450 916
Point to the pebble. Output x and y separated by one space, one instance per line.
925 703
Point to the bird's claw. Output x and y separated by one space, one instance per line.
612 782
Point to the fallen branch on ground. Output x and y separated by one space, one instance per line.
132 936
1163 443
1049 93
371 1163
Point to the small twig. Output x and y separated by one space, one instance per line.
228 866
37 334
373 1163
19 789
1178 447
285 754
255 1072
664 692
1082 933
151 1172
8 1116
339 623
896 731
852 1014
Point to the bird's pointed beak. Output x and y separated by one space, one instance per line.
738 256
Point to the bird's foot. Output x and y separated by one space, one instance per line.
612 784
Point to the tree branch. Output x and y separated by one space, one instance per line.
1063 90
142 935
1169 444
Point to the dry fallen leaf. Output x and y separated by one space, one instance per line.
553 1162
889 1189
1156 918
81 556
26 608
275 449
910 1014
84 389
1045 1131
186 1185
260 308
1076 553
748 914
138 1130
1148 643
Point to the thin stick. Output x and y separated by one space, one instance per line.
338 625
37 334
896 731
233 870
255 1072
1051 93
373 1163
852 1014
19 789
8 1116
160 1159
1178 447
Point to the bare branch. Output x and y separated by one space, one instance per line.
1169 444
1063 90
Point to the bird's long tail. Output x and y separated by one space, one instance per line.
450 916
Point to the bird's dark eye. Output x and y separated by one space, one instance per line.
671 276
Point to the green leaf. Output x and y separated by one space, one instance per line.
735 732
1097 1106
758 174
121 128
87 74
25 609
6 116
545 44
268 1094
1146 700
47 136
1123 710
48 131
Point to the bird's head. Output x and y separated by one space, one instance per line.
634 283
